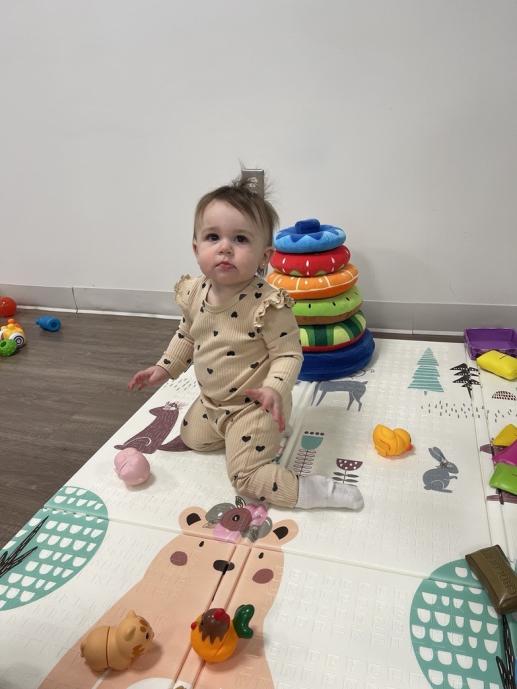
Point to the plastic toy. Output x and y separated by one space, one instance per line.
214 636
439 478
132 467
505 478
116 647
7 347
49 323
481 340
508 455
507 436
501 364
391 443
495 573
7 307
13 331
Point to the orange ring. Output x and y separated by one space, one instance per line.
316 287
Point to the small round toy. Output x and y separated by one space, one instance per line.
391 443
7 347
116 647
309 236
331 310
311 265
132 467
13 331
7 307
214 636
320 287
49 323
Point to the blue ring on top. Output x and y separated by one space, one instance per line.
338 363
309 237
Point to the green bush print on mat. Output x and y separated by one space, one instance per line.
55 544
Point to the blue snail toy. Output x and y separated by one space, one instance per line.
49 323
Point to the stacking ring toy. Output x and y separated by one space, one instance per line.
331 310
308 236
327 338
311 265
317 287
339 363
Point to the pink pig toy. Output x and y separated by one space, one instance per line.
132 467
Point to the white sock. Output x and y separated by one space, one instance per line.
321 491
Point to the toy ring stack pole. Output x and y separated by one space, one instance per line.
312 264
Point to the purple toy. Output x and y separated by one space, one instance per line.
508 455
132 467
481 340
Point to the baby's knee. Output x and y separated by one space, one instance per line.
197 443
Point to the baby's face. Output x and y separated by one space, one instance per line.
229 247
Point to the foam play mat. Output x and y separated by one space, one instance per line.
377 599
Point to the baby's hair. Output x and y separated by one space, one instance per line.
241 194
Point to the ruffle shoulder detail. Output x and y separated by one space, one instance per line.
183 290
277 299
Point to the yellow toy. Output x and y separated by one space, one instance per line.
506 437
117 647
214 636
501 364
13 331
390 443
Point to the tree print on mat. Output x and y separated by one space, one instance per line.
54 546
466 376
455 631
426 376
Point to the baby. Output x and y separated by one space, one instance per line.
243 340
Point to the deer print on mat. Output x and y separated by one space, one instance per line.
355 389
192 573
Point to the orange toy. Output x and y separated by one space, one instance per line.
214 636
116 647
390 443
316 287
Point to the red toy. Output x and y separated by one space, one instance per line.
7 307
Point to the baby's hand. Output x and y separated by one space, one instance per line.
270 400
154 375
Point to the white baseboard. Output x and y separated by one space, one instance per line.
409 317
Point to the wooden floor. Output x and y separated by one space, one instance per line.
63 396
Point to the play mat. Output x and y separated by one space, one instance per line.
380 599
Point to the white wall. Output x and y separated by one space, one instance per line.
395 120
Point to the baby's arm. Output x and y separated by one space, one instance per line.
176 359
282 338
178 355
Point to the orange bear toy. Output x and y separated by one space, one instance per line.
390 443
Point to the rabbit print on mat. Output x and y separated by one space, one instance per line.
439 477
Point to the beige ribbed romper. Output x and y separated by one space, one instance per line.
249 342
